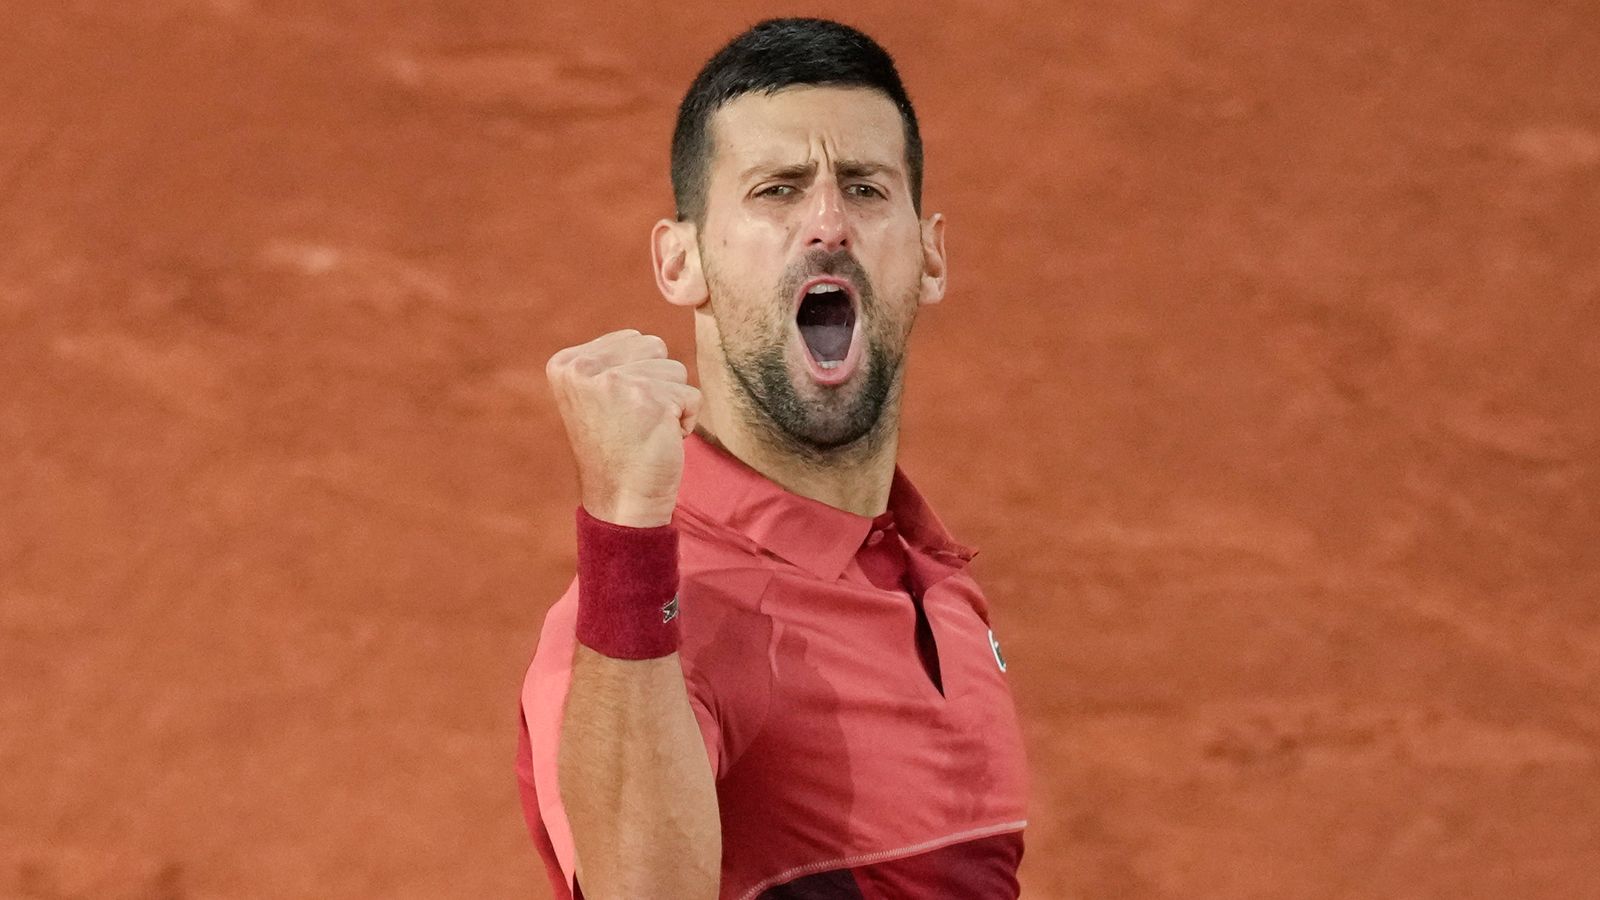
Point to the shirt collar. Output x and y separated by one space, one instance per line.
819 538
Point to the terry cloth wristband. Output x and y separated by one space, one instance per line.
627 588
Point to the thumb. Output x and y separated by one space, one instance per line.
690 413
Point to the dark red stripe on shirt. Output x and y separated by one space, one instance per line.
982 869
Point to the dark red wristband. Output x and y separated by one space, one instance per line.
627 589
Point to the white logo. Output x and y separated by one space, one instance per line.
995 646
669 611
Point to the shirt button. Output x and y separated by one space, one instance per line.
874 538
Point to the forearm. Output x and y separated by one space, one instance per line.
636 781
635 777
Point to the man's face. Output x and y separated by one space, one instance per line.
814 256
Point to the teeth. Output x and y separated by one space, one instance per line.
826 364
824 289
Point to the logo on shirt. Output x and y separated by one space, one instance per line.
669 611
994 645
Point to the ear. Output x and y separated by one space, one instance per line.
934 275
676 255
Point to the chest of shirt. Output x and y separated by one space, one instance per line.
860 753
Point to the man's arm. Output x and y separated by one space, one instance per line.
636 781
634 772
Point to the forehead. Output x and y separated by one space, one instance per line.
793 124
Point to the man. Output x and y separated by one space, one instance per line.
773 677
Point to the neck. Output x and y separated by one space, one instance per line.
855 478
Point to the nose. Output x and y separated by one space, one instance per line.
827 224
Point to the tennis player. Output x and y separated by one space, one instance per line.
773 676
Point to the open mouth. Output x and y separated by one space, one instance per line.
827 319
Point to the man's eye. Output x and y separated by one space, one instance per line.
865 190
776 190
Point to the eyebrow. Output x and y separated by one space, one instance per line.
845 168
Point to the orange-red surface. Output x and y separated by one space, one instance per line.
1266 386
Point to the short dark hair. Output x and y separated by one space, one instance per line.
771 56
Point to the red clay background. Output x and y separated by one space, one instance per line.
1266 385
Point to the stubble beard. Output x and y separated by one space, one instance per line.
815 422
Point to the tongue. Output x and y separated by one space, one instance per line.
825 325
828 343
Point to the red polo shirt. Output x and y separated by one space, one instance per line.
850 691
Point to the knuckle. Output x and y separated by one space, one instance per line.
557 361
647 346
559 376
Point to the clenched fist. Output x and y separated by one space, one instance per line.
627 408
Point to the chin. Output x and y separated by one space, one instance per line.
818 418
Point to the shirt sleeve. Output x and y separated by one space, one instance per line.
544 693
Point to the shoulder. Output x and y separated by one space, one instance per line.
704 544
718 568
